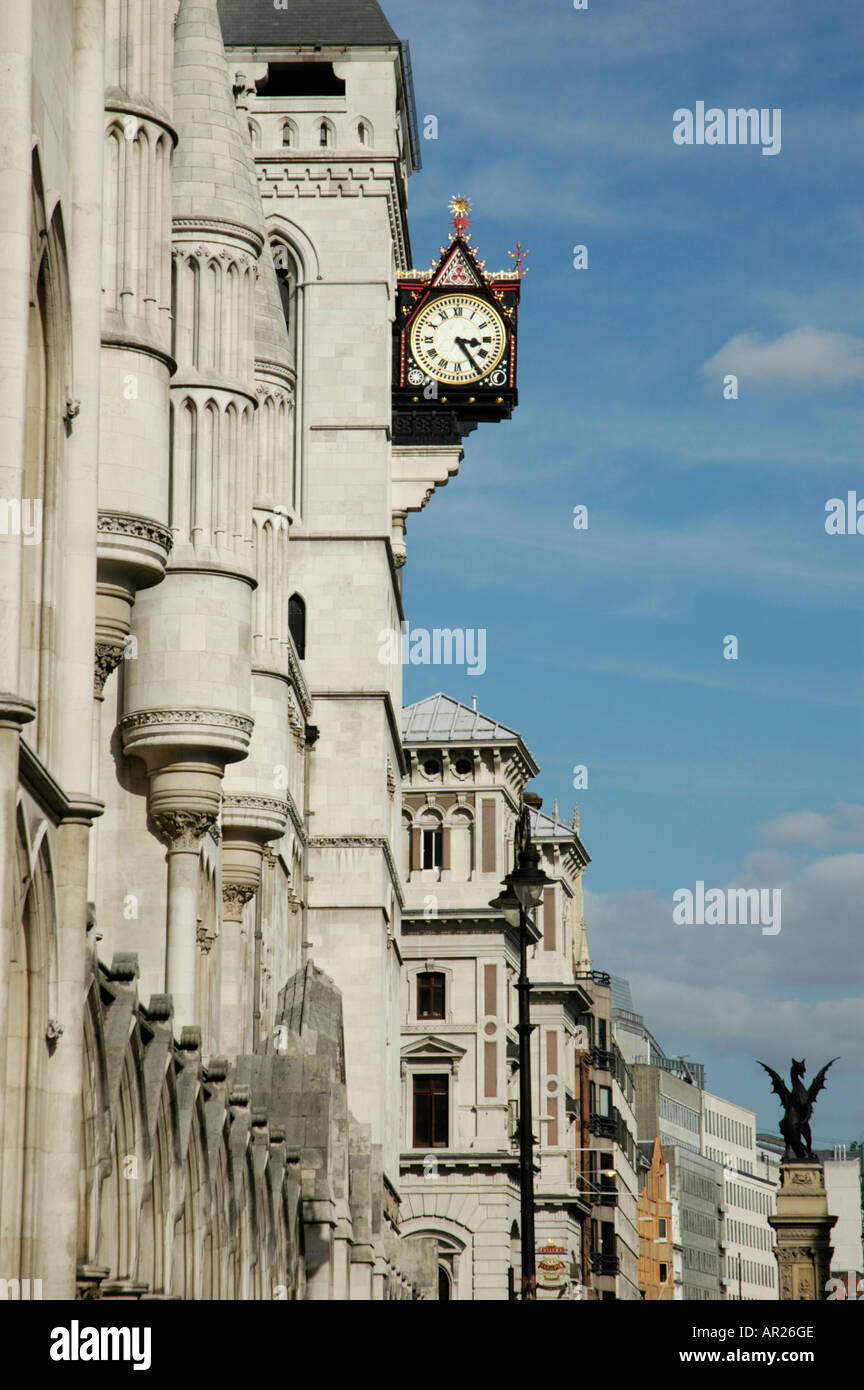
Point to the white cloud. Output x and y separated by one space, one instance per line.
804 358
844 825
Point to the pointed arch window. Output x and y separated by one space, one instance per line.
325 135
297 623
286 278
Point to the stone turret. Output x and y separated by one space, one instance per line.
189 692
134 540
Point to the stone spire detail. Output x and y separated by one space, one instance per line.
212 175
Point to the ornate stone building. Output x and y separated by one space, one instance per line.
460 1164
201 522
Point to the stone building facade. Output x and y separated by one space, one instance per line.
201 523
463 792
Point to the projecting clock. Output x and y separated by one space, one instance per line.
458 339
454 342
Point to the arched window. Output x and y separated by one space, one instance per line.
444 1286
324 135
430 994
297 623
363 133
288 134
286 278
462 845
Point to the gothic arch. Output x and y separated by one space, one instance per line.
49 372
31 988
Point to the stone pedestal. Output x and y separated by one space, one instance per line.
803 1226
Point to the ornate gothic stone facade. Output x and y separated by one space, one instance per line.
201 525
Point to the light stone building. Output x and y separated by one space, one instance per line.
463 792
202 518
673 1103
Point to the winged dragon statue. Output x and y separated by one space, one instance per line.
798 1102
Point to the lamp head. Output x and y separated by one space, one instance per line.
528 879
508 904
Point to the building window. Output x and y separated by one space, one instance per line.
431 1105
664 1272
324 134
430 995
604 1101
432 849
444 1293
661 1227
297 623
363 133
287 134
286 279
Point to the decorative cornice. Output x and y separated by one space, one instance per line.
280 369
184 830
219 227
220 718
108 658
272 812
363 842
141 527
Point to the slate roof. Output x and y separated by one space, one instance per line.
441 719
257 23
546 827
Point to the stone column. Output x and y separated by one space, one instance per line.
803 1228
248 824
183 832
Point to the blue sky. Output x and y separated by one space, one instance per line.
706 516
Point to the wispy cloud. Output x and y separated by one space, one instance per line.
805 358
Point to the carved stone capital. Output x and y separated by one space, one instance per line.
204 938
108 658
184 830
235 896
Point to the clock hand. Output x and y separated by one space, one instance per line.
463 344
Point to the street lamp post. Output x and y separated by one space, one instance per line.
522 892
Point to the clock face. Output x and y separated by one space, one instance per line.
458 339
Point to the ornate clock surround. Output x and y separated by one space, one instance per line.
430 410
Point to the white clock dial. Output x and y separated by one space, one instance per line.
458 339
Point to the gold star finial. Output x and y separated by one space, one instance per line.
460 207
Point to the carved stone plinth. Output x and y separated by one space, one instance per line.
803 1226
